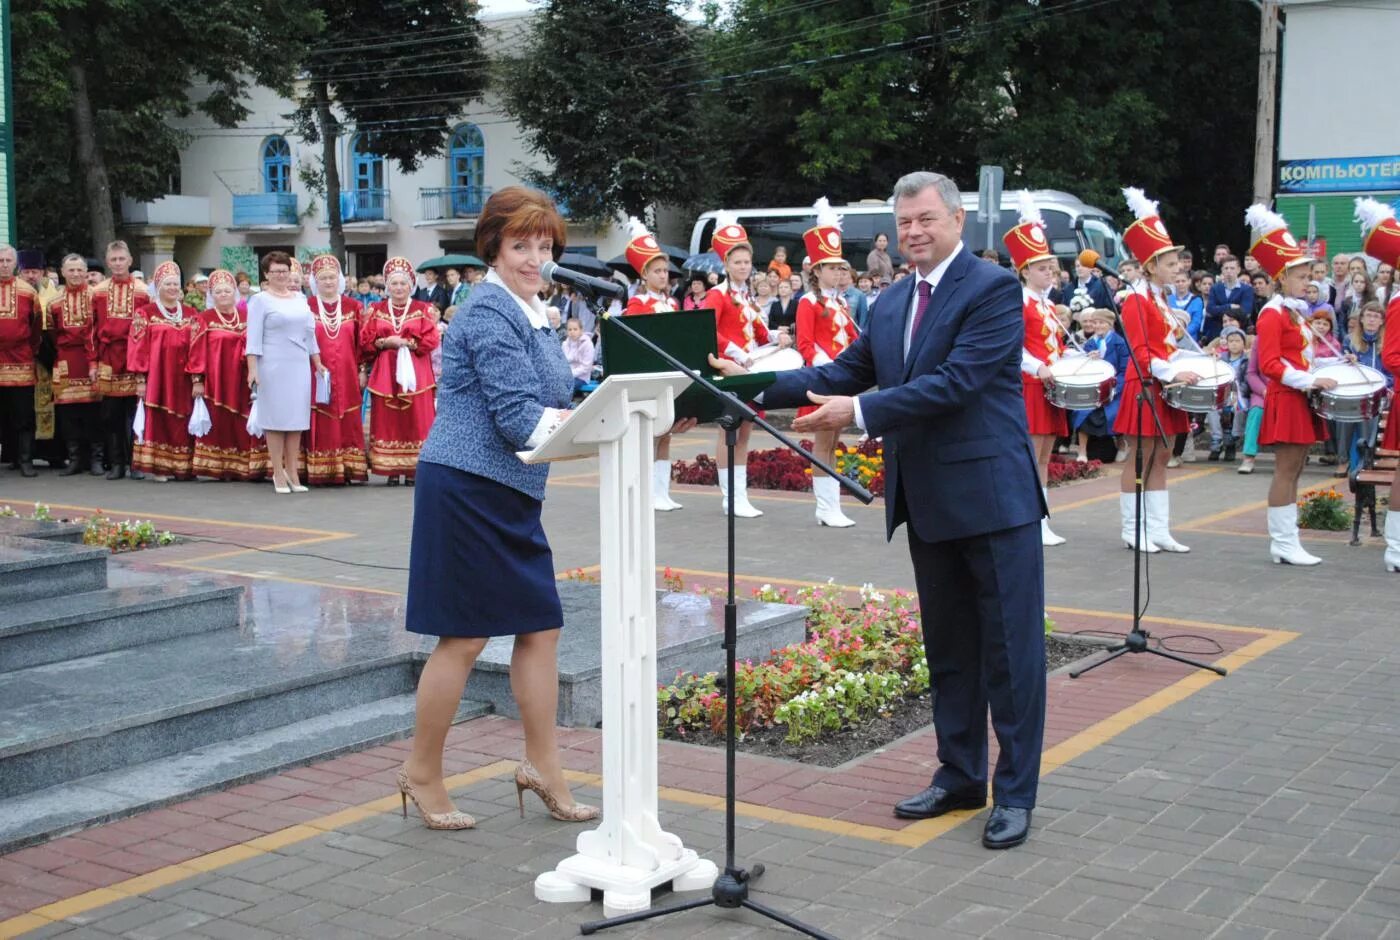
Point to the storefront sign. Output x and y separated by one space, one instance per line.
1347 174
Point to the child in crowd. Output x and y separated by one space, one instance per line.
1234 354
1102 343
578 349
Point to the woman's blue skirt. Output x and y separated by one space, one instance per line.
479 564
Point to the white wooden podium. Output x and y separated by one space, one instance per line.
629 853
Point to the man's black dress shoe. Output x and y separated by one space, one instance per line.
935 801
1007 827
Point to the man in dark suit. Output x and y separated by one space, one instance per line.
432 292
944 348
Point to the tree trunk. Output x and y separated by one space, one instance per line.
330 134
91 163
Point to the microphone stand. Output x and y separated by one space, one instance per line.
1138 638
731 888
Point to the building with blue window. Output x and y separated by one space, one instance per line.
243 192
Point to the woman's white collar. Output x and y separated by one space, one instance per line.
533 307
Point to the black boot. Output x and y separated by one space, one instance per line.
74 465
25 443
116 456
1230 450
95 465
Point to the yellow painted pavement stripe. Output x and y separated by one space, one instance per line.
146 514
1196 524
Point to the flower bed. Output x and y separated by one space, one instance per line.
1066 470
780 469
858 681
1325 510
128 535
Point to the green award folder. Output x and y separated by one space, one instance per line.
689 335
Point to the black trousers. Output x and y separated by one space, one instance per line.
117 415
983 604
79 423
16 418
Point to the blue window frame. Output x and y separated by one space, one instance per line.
276 165
467 157
366 169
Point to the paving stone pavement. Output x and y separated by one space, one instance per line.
1264 805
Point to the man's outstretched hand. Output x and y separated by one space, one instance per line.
837 412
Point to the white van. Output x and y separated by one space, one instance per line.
1070 224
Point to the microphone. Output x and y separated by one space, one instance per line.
1091 259
594 286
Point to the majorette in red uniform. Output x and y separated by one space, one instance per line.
1381 239
19 341
1040 339
158 350
825 329
114 304
335 445
654 268
75 394
218 360
739 331
1152 333
1285 345
399 418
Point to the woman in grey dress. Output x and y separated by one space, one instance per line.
281 341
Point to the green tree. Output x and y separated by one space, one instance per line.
398 72
98 81
602 90
841 98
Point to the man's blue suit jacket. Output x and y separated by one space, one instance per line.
958 458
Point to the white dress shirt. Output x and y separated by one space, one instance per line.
933 278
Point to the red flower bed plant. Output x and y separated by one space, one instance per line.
1062 470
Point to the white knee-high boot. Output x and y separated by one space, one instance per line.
1127 512
1284 547
1157 504
828 494
1046 536
1392 539
743 509
661 499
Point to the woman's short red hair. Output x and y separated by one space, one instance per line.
517 212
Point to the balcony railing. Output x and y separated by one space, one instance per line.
167 210
251 209
452 202
364 205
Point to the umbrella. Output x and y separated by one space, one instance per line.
621 265
452 261
677 255
585 264
706 262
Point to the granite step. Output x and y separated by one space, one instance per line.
92 800
53 629
31 569
95 714
70 532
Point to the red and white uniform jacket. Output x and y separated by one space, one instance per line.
1151 330
739 326
824 327
1286 352
647 302
1040 343
1390 348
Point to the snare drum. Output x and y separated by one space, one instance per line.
773 359
1214 392
1359 395
1081 384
